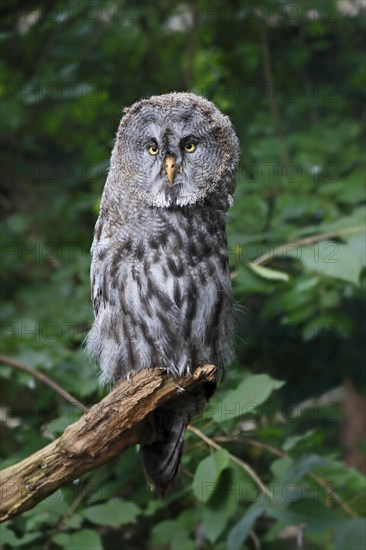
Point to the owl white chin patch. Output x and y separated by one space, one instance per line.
166 202
160 200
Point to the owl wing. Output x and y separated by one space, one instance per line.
99 251
96 287
97 298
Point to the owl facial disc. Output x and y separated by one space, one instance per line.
175 150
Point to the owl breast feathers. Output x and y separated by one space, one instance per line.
160 280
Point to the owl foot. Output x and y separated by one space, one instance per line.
179 389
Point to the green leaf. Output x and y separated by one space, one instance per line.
247 282
187 518
351 534
253 391
302 467
74 521
181 541
293 440
112 513
49 510
153 506
76 541
357 243
214 521
353 189
208 473
176 532
270 274
328 324
281 466
331 259
241 530
163 532
7 536
223 503
318 518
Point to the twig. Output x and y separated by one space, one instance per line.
233 458
45 379
75 503
255 539
304 242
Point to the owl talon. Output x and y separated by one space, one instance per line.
179 389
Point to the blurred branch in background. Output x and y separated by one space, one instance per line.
45 379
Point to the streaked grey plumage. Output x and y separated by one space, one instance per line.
160 279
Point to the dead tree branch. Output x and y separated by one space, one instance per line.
101 434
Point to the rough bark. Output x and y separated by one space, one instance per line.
101 434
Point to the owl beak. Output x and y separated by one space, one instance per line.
170 167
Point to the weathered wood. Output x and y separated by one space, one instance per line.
101 434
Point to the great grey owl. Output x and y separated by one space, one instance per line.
160 279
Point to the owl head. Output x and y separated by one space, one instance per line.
174 150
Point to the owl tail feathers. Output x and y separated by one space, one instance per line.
161 459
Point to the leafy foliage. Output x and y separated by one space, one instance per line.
291 77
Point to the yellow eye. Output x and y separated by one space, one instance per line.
153 150
189 147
